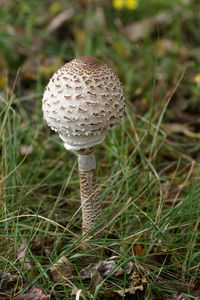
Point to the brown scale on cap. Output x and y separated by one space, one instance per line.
90 62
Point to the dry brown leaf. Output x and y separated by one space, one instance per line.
8 285
137 248
60 19
34 293
175 297
4 3
139 30
25 150
196 288
138 284
95 279
62 270
22 255
104 268
7 279
47 244
130 291
137 279
137 288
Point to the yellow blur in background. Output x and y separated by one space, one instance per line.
128 4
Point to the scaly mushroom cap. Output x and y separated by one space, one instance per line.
82 100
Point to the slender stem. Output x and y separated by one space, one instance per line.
91 207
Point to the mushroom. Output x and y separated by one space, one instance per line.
82 100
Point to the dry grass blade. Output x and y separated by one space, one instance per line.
40 217
60 19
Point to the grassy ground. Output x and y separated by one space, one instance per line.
148 167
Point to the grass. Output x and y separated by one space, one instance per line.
148 167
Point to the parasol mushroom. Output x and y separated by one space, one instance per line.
82 100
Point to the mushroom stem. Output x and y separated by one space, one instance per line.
91 207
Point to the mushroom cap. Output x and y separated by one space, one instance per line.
82 100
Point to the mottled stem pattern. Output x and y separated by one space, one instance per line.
91 207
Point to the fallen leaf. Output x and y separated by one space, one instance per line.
62 270
22 255
60 19
196 288
25 150
6 280
139 30
34 293
104 268
46 244
8 285
4 2
137 279
95 279
120 271
138 284
131 290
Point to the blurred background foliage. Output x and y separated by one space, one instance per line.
137 37
148 43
